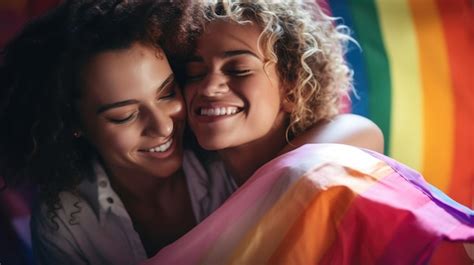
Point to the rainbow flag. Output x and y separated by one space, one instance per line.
327 204
414 76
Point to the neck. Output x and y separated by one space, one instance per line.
242 161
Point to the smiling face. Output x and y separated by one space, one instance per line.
132 111
233 99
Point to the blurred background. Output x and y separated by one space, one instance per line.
413 71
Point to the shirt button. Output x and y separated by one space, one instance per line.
110 200
102 183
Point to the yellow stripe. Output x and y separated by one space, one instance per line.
406 114
437 94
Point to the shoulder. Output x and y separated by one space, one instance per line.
358 131
53 230
72 210
349 129
53 218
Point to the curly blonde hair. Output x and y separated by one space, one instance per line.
307 48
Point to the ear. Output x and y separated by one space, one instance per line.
287 105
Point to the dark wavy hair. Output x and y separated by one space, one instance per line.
40 81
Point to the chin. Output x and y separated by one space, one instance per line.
211 145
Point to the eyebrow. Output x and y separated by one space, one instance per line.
239 52
226 54
118 104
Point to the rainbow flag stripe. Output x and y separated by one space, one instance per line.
327 204
413 74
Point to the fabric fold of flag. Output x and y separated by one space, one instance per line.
326 204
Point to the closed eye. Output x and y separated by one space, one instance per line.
239 72
195 77
124 120
170 92
168 95
195 71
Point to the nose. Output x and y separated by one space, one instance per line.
163 115
215 84
159 124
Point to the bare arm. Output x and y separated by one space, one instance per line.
347 129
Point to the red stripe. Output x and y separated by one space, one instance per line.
382 227
457 18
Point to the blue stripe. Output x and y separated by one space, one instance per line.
360 105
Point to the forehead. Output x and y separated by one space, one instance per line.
123 74
221 35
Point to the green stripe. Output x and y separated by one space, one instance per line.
367 28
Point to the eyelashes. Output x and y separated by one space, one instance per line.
239 72
231 72
124 120
169 95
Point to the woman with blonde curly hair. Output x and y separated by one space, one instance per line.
265 73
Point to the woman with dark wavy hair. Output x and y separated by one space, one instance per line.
92 113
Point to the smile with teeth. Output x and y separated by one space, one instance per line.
161 148
220 111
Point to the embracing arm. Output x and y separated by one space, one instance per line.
347 129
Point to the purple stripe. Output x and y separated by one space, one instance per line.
461 212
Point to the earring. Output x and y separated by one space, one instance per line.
77 134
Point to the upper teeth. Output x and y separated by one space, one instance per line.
218 111
161 148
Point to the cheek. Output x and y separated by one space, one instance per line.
189 92
265 95
113 141
180 108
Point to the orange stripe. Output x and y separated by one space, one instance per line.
438 109
261 242
315 231
458 23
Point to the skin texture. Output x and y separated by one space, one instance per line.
350 129
129 105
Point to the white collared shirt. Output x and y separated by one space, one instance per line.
93 226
